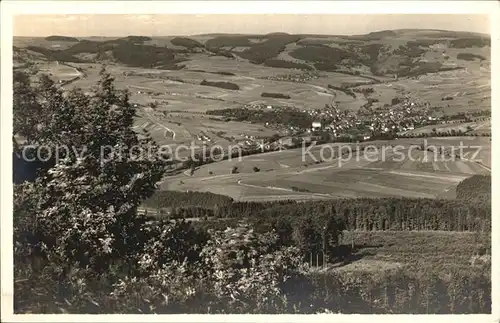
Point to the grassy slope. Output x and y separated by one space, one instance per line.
441 251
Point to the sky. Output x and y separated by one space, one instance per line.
85 25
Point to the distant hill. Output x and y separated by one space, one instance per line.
186 42
136 39
128 51
403 52
61 38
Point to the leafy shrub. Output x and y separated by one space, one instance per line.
175 288
321 54
136 39
298 189
223 53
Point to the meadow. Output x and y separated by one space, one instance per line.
290 173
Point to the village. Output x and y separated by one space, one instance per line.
367 121
331 123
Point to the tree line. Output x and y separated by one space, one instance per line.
475 188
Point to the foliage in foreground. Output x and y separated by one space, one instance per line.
476 188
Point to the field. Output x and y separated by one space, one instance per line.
377 201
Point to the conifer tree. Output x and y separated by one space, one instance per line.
83 209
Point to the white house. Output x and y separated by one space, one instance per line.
316 125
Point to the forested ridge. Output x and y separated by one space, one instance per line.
471 210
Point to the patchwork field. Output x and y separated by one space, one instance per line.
400 170
181 99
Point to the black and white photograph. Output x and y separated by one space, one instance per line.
323 163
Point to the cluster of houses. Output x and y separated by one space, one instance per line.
298 78
407 115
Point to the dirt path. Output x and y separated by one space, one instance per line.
155 121
281 189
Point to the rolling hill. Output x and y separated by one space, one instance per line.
404 53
